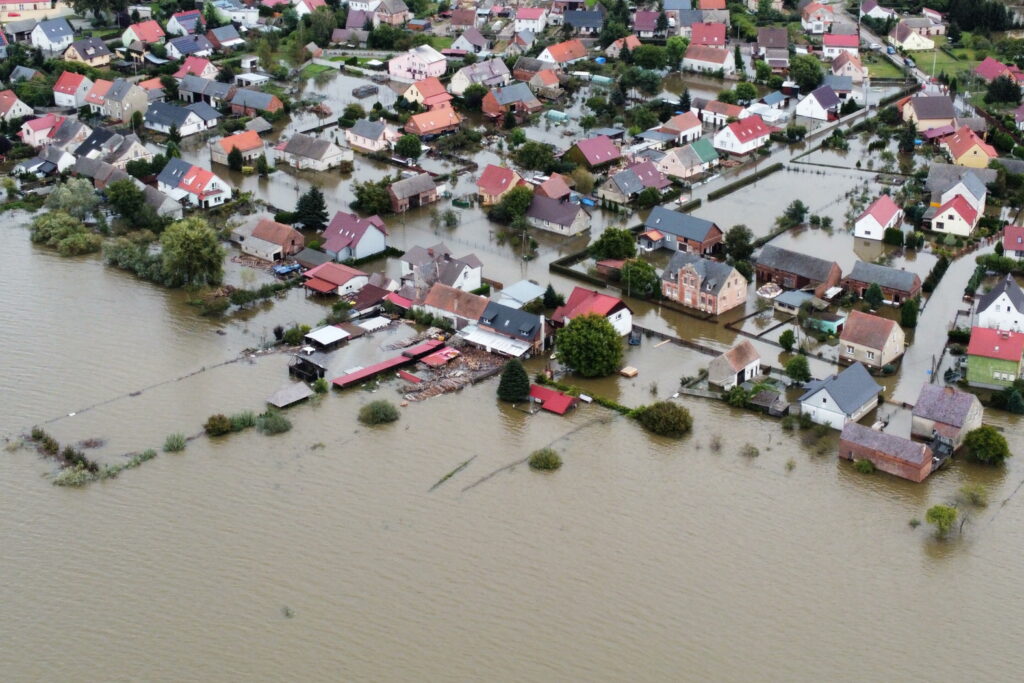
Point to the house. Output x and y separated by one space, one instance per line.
696 282
184 23
225 38
871 8
990 69
714 112
842 398
189 46
371 136
588 302
413 192
925 25
462 19
743 136
247 102
709 59
472 41
558 216
12 9
421 267
335 278
11 107
686 127
627 44
517 99
144 32
902 37
433 123
882 215
822 104
195 185
929 111
163 118
494 182
305 152
817 18
248 143
585 22
679 232
460 308
871 340
1013 241
955 217
70 90
946 412
849 65
304 7
835 44
741 363
37 132
268 240
237 13
348 236
521 42
564 53
708 35
197 66
50 161
88 51
546 84
595 152
532 19
508 331
1002 307
895 455
994 358
965 148
392 13
771 38
490 73
793 270
195 89
418 63
112 148
897 285
122 99
52 36
429 92
685 162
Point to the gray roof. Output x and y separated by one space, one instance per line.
933 107
944 404
584 18
974 185
188 45
850 389
410 187
91 47
307 146
225 34
689 17
95 142
173 172
371 130
519 294
204 86
517 92
826 97
941 177
839 83
679 224
252 99
22 73
553 210
531 64
713 274
474 37
628 182
486 72
898 447
810 267
774 97
164 114
204 110
66 132
769 36
119 89
56 29
511 322
20 26
885 276
259 124
671 5
1008 286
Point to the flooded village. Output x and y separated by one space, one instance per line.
399 340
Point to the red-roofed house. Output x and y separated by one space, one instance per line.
304 7
546 84
871 340
710 4
965 148
588 302
70 90
564 53
990 69
531 19
11 107
552 401
955 217
645 23
994 357
335 278
195 185
494 182
96 98
817 18
37 132
701 58
348 236
1013 241
429 92
432 123
743 136
248 142
628 44
145 32
595 152
834 44
197 66
879 217
555 187
686 127
708 35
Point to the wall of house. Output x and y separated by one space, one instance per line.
991 372
886 463
1001 315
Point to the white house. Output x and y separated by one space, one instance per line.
879 217
842 398
348 236
871 8
707 58
817 18
314 154
955 217
1002 307
52 35
743 136
162 117
741 363
970 187
586 302
418 63
834 44
70 90
492 73
11 107
195 185
531 19
371 136
821 104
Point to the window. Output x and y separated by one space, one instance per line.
871 355
849 349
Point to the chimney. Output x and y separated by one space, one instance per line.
949 391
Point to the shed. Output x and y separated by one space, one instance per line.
290 395
327 337
553 401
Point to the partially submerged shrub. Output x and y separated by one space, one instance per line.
73 475
749 450
864 466
665 418
273 422
321 386
243 420
975 494
175 443
217 425
545 459
378 412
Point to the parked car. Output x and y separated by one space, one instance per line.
891 50
909 62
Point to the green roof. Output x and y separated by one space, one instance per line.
704 149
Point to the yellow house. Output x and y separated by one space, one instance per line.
89 51
965 148
929 111
904 38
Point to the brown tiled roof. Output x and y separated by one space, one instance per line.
867 330
277 233
741 355
455 301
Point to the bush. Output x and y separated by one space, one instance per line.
74 475
975 494
545 459
175 443
986 445
320 386
273 422
243 420
942 516
665 419
864 466
750 451
293 336
378 412
217 425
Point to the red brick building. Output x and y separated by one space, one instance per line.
889 453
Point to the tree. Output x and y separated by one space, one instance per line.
514 386
584 180
235 160
553 299
125 197
908 314
473 97
873 296
1003 89
746 92
639 278
798 370
535 156
590 346
649 56
942 516
262 167
685 100
75 196
806 71
738 57
409 147
795 213
191 254
137 121
675 48
739 242
372 196
311 210
665 418
97 7
661 25
787 339
614 243
985 444
174 135
516 137
612 31
210 16
65 233
513 204
762 72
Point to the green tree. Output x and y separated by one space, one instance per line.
97 7
873 296
741 69
762 72
191 255
311 210
798 370
590 346
535 156
137 121
473 97
174 135
685 101
648 197
806 71
675 48
514 386
661 25
584 180
985 444
75 196
614 243
1003 89
739 242
612 31
665 418
649 57
409 147
943 517
517 137
1015 402
372 196
746 92
65 233
262 167
908 314
552 299
513 204
787 339
378 412
125 197
640 279
235 159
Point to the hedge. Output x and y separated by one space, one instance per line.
750 179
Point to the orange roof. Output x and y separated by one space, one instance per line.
434 120
554 187
151 84
7 100
334 273
707 53
196 180
547 77
683 122
429 87
586 302
98 92
629 43
147 31
276 233
567 51
244 141
867 330
653 235
961 142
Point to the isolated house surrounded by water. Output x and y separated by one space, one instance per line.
411 193
494 183
994 358
946 412
269 240
348 236
1002 307
595 152
508 331
458 307
889 453
877 218
557 215
870 339
793 270
335 278
311 153
588 302
842 398
248 143
741 363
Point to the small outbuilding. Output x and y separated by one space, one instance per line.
739 364
896 455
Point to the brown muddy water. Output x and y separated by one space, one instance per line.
322 554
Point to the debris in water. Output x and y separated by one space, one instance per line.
287 612
452 473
